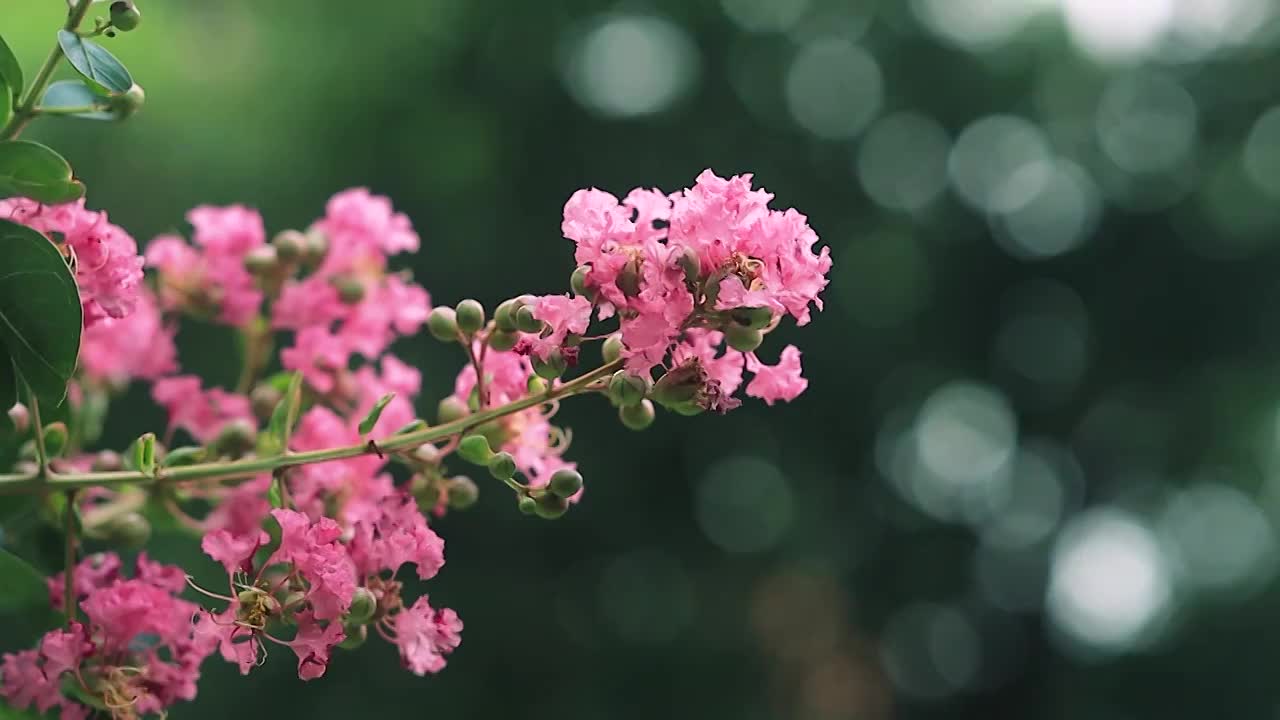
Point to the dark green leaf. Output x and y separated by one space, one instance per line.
10 68
73 93
29 169
181 456
8 712
285 415
24 588
8 381
95 63
6 101
366 425
40 316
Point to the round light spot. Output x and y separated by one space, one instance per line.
834 88
628 65
965 432
744 504
902 162
1262 152
1045 336
647 597
1110 30
1109 580
999 163
931 651
1058 218
1146 123
1220 537
1035 502
976 24
765 15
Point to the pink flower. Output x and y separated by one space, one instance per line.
357 221
93 572
318 354
313 644
139 345
777 382
212 275
25 683
203 413
242 508
108 268
235 552
563 315
425 636
314 551
305 303
236 643
395 535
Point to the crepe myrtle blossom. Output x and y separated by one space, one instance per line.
313 487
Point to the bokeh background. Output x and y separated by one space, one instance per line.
1037 472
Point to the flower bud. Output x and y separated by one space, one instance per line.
131 530
742 338
628 280
462 492
535 385
565 482
526 322
626 389
550 507
578 281
689 262
356 635
752 317
475 449
450 409
612 348
469 316
443 324
55 438
638 416
235 438
350 290
427 453
263 399
363 605
127 103
290 245
711 291
527 505
502 466
125 16
180 456
20 417
107 461
505 315
679 385
551 368
261 260
317 245
503 341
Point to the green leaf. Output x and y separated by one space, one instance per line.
275 495
6 101
25 612
29 169
73 93
8 712
10 69
40 316
285 415
189 455
144 454
366 425
95 63
8 381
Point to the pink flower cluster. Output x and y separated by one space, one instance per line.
136 653
210 276
108 268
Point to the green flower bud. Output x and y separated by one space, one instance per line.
450 409
711 291
552 368
495 431
742 338
317 245
350 290
127 103
626 389
502 340
107 461
125 15
535 385
527 505
356 635
235 438
55 438
752 317
462 492
691 264
131 530
363 606
502 466
264 398
578 281
180 456
469 316
679 385
505 315
550 507
629 278
612 348
443 324
565 482
526 322
261 260
638 416
475 450
290 245
20 417
427 453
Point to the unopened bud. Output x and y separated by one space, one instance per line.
363 605
626 389
469 316
612 348
502 465
443 324
450 409
130 529
527 505
504 316
638 416
462 492
578 281
526 322
263 399
742 338
428 453
235 438
290 245
752 317
20 417
551 368
125 16
350 290
261 260
356 635
550 507
712 290
128 102
565 482
689 262
503 341
107 461
535 385
475 449
679 385
628 280
55 438
180 456
317 245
